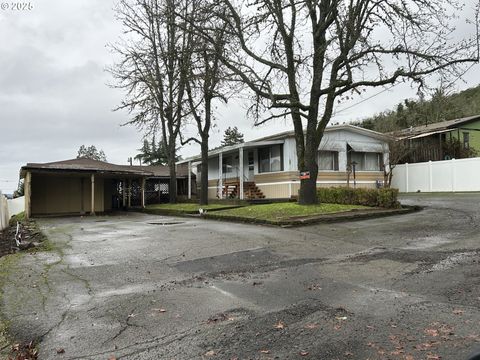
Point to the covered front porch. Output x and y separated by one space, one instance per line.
232 169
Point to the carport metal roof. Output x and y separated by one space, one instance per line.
84 165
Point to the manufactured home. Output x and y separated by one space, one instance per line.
267 167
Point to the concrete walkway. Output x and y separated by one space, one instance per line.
138 286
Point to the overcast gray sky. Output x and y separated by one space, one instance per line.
54 97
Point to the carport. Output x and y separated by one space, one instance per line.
82 186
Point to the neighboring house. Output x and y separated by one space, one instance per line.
80 186
267 167
458 138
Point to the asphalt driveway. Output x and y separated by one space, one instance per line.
151 287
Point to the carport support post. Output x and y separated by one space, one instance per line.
143 192
28 194
240 164
189 180
124 193
220 174
129 193
92 207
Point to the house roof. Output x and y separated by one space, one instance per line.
163 171
357 129
280 137
89 165
434 128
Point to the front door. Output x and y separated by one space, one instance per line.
251 165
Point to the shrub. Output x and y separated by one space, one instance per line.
386 198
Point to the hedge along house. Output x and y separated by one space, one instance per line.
267 167
85 186
458 138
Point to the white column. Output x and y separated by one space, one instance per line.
189 180
240 160
92 207
220 174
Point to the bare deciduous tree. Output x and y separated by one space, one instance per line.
206 80
153 69
300 58
398 150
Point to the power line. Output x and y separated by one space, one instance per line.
366 99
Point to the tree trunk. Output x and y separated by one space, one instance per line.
172 189
308 187
204 173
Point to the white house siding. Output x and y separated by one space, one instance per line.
290 155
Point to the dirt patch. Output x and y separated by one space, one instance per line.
29 233
7 241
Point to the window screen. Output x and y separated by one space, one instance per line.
327 160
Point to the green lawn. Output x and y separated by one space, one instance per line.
187 207
285 211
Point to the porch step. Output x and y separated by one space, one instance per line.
250 190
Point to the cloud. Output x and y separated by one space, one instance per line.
54 97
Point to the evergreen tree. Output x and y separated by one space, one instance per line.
232 137
91 152
153 153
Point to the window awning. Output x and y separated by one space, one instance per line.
332 146
359 146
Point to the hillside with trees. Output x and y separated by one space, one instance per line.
439 107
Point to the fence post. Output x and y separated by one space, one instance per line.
430 180
406 177
454 180
3 212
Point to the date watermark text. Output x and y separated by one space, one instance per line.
16 6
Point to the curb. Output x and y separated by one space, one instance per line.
171 212
334 218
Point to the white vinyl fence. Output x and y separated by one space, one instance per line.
16 206
436 176
4 217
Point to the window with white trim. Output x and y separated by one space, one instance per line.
328 160
270 159
365 161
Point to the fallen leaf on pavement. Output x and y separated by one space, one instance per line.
431 332
280 325
210 353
